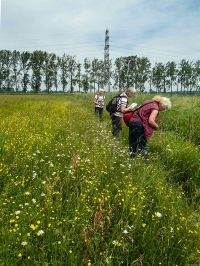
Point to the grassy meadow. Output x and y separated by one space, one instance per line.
70 195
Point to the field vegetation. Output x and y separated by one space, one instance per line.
70 194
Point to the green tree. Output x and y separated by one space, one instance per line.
86 75
50 68
15 69
196 75
24 63
5 62
142 72
72 69
171 74
63 63
37 64
159 77
185 75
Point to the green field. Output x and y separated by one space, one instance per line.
70 194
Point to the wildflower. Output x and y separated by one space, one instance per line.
19 255
33 227
34 174
27 193
125 232
24 243
89 263
158 214
40 232
116 243
17 212
34 200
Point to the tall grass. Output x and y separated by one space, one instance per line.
70 195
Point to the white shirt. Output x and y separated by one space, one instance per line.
100 100
122 100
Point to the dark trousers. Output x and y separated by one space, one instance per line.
137 139
99 112
116 125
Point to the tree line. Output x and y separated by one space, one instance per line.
41 71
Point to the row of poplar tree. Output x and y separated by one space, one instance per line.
41 71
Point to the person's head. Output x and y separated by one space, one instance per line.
101 91
164 102
130 92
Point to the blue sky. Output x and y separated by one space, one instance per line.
162 30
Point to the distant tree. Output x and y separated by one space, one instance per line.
142 72
185 75
15 69
86 76
72 69
196 75
97 74
63 63
159 77
120 73
5 62
37 64
100 77
78 76
132 71
50 68
94 72
171 74
24 64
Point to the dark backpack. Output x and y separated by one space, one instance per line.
111 107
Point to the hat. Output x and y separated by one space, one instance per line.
101 90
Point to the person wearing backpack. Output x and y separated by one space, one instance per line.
143 122
99 104
121 106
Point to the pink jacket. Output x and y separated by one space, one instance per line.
143 115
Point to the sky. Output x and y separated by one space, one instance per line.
161 30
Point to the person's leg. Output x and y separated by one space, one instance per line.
134 135
96 111
116 126
142 143
100 114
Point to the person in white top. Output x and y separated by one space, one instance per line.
99 104
122 107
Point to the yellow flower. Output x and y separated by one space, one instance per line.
33 227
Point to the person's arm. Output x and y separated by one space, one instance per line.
95 100
125 109
152 119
